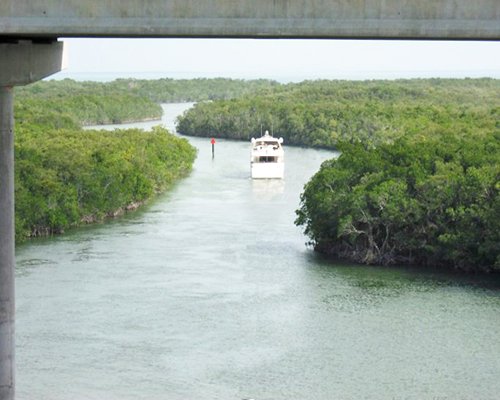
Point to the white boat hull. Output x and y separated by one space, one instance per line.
268 170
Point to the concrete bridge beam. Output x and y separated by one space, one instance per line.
334 19
20 63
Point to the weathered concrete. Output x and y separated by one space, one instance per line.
402 19
25 61
20 63
6 245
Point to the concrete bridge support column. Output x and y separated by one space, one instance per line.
21 62
6 244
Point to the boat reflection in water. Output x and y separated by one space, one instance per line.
267 189
267 159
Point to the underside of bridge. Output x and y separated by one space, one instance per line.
397 19
29 51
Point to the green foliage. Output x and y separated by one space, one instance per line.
184 90
66 176
90 97
434 202
64 105
324 113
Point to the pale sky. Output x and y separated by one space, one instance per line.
281 59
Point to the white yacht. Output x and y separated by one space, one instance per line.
267 158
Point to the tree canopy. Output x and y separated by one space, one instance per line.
434 201
324 113
66 176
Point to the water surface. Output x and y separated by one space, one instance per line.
209 292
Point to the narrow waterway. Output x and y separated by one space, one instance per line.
209 292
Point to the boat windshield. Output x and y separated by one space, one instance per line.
267 143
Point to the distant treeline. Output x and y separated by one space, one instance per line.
125 100
86 103
324 113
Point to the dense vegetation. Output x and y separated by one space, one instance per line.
324 113
195 90
91 97
85 103
432 201
421 186
66 176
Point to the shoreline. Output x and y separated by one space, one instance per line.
131 121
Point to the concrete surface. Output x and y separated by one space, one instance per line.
403 19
